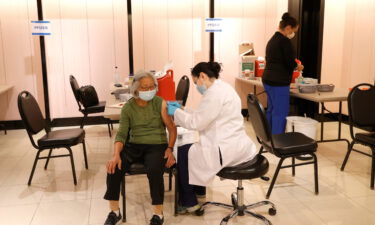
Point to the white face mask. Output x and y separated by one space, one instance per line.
290 36
147 95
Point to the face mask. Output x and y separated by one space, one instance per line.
147 95
201 88
290 36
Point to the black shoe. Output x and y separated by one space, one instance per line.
156 220
113 219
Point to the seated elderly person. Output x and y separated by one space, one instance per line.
142 138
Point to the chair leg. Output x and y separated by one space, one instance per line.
111 123
274 178
109 127
4 127
123 199
347 155
316 173
260 150
33 169
47 161
83 120
258 216
85 154
176 189
372 168
72 163
170 175
293 167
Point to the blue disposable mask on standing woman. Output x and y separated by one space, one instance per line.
147 95
201 88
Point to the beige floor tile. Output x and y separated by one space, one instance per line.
63 213
21 195
367 202
341 211
67 191
17 215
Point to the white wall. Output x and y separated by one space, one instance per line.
167 30
348 43
19 58
88 39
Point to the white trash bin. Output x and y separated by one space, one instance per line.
304 125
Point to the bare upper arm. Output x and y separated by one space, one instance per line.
166 118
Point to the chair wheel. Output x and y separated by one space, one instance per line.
272 211
223 222
265 178
199 212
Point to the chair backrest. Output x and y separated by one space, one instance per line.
75 87
182 91
258 120
30 113
361 105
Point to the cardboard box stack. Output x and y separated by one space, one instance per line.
247 60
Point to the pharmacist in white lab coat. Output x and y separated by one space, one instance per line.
222 141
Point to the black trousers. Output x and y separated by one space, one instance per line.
152 156
187 192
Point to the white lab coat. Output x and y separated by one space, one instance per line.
219 122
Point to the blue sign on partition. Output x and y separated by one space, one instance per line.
214 25
41 27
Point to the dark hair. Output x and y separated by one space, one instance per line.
288 20
212 69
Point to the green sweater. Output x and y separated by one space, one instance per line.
144 125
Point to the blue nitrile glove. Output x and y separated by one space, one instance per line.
172 109
174 103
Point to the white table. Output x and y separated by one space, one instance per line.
111 112
3 89
338 95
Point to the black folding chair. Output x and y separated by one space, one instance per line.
182 90
34 122
99 108
361 108
286 145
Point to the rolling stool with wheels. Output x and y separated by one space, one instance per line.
254 168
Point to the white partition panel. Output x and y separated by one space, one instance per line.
348 44
20 58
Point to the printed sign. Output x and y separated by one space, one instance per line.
214 25
41 27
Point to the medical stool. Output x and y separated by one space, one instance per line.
254 168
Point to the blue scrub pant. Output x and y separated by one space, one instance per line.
187 192
277 107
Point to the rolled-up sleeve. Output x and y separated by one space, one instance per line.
122 133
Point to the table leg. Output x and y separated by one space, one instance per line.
4 128
340 119
339 130
322 123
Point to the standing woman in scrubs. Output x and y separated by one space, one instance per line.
277 76
223 141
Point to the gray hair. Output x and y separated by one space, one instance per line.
136 81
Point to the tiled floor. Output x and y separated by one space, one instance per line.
344 198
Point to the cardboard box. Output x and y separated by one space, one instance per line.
247 59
